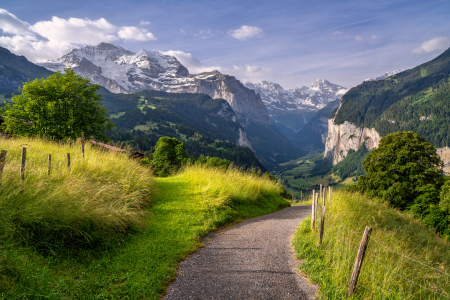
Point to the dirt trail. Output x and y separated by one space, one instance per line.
252 260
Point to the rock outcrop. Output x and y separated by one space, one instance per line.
341 138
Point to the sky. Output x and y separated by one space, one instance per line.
291 43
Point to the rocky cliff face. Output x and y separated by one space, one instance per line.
341 138
344 137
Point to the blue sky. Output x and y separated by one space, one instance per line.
288 42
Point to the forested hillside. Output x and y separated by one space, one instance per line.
205 125
417 99
310 136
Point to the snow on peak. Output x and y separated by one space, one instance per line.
386 75
314 97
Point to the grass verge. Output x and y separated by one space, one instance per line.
142 263
404 259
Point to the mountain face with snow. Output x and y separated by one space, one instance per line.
123 71
385 75
291 109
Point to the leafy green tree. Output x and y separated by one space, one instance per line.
60 106
169 156
404 170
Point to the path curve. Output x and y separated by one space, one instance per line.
252 260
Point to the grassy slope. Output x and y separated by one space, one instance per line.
330 265
142 263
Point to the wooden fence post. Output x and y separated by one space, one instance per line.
331 194
322 224
358 262
22 164
324 196
49 164
68 162
2 162
320 193
301 196
313 212
82 143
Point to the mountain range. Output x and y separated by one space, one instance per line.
291 109
123 71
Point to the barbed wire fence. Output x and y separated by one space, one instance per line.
383 273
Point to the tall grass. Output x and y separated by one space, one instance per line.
100 198
404 259
231 191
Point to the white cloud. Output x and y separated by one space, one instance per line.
145 22
190 62
9 23
339 35
359 38
373 39
246 32
439 43
51 39
249 73
137 34
76 31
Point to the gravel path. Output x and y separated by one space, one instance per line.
252 260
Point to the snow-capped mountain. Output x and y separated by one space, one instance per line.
293 108
123 71
385 75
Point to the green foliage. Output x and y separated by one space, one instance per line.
352 164
385 274
210 162
417 99
445 197
169 156
404 170
322 166
60 107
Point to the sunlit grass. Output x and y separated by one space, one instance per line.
389 270
140 265
99 198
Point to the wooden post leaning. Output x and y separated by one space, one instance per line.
22 164
82 143
313 212
68 162
49 164
322 224
358 262
2 162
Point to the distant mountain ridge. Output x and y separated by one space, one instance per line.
293 108
385 75
122 71
14 70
